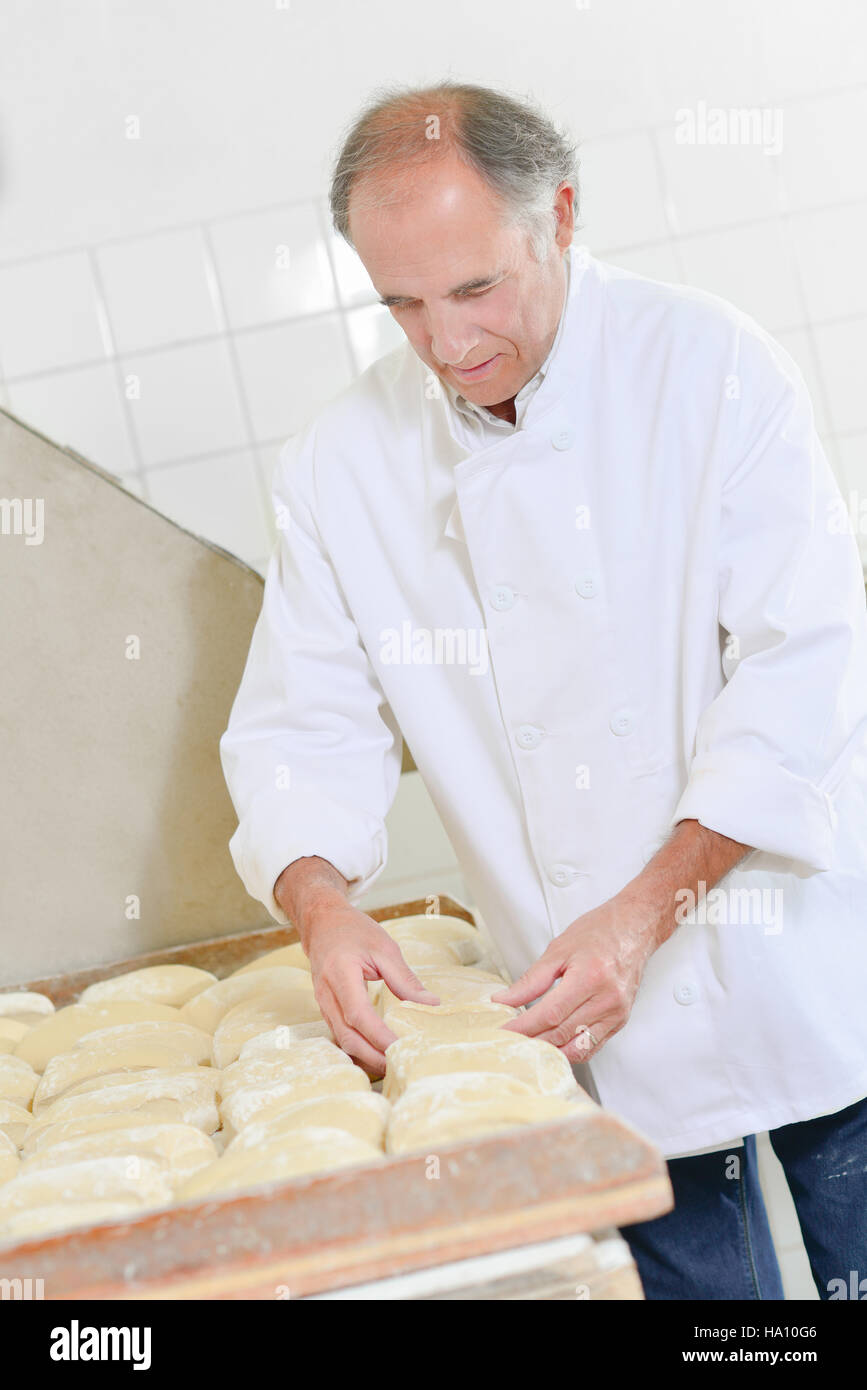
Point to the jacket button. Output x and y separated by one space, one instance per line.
586 585
502 597
528 736
686 991
622 722
561 874
563 439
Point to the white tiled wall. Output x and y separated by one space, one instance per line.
182 359
173 310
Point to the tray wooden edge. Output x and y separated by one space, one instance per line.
503 1191
220 954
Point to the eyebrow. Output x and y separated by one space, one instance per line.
481 282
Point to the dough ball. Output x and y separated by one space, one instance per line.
312 1150
362 1113
260 1101
447 1022
458 984
131 1047
303 1059
25 1006
60 1031
91 1179
285 955
283 1040
154 984
180 1095
447 1110
259 1015
180 1150
42 1137
18 1080
541 1065
15 1121
462 940
12 1030
207 1009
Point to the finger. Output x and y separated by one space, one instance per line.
349 988
401 980
583 1033
588 1040
535 981
351 1041
567 997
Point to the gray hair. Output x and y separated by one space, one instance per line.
510 143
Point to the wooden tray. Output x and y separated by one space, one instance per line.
316 1233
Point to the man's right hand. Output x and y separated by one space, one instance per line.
346 948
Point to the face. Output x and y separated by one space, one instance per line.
462 282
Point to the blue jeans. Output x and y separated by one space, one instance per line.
716 1243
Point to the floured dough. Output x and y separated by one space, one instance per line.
259 1015
41 1137
25 1006
283 1040
88 1180
458 984
8 1158
18 1080
261 1101
155 984
540 1064
64 1216
60 1031
464 943
420 954
447 1022
313 1150
446 1110
12 1030
185 1095
285 1035
131 1047
180 1150
15 1121
285 955
257 1068
362 1113
207 1009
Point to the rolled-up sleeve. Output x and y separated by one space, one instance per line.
312 753
774 744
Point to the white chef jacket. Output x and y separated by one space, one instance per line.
666 493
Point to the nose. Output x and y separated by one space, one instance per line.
452 339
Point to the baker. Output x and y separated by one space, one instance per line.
616 487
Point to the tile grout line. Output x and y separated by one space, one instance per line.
112 357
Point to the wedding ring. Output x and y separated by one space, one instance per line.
583 1031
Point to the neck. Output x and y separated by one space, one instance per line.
505 410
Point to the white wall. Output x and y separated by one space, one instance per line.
153 264
158 264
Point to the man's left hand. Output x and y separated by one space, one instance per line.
595 966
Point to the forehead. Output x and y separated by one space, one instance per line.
441 223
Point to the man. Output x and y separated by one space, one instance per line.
600 501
